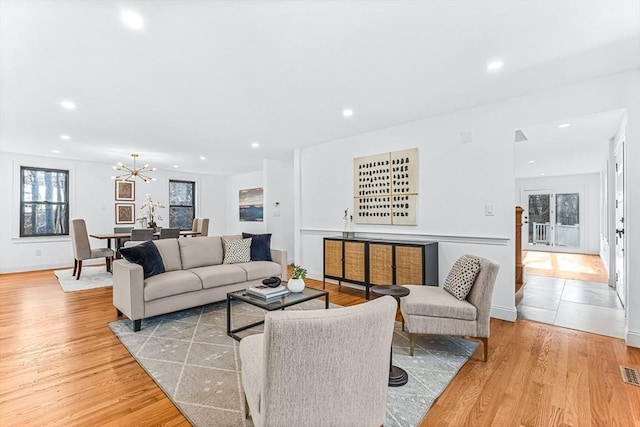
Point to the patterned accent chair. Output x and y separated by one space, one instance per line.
319 367
430 310
82 249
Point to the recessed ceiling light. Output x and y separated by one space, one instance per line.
132 20
347 112
203 158
542 174
68 105
55 151
532 161
255 145
495 65
65 137
176 166
564 125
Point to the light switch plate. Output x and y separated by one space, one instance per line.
488 209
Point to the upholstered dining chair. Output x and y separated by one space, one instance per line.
169 233
201 225
141 234
82 249
431 310
318 367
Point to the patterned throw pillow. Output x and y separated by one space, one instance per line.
462 276
236 251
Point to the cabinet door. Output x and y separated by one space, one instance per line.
333 258
409 265
354 261
380 264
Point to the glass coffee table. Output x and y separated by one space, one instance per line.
293 298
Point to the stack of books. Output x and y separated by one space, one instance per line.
266 293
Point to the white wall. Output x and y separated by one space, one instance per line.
235 183
92 197
278 188
456 180
589 187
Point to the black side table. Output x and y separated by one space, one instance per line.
397 376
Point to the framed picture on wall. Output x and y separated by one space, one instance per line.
125 213
251 204
125 190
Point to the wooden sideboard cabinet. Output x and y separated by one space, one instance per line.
369 262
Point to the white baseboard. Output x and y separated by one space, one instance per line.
510 314
632 338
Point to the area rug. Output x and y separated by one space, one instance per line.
90 278
189 355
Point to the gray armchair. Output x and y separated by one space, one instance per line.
82 249
430 310
320 367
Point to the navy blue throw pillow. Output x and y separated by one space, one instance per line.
260 246
147 255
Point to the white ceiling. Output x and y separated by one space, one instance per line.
580 148
207 78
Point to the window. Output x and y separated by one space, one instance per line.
182 206
44 202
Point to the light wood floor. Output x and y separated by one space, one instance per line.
588 268
61 365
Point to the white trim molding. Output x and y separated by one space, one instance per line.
483 240
509 314
632 338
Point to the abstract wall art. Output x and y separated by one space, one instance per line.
385 188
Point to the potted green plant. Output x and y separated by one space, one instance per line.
296 283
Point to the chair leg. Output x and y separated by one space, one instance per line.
75 267
412 339
246 406
79 269
485 345
108 262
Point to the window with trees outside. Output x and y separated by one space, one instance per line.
182 205
44 202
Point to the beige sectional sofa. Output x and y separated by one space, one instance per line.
194 275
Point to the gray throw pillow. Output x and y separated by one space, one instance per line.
462 276
236 251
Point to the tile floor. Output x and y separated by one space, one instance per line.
585 306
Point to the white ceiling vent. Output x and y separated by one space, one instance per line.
465 137
520 136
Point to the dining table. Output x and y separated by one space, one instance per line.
119 236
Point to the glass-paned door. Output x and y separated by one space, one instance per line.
553 220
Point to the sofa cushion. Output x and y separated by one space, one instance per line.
147 255
261 269
434 301
260 246
236 251
200 251
170 252
220 275
462 276
171 283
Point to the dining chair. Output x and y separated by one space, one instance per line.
169 233
201 225
82 249
141 234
